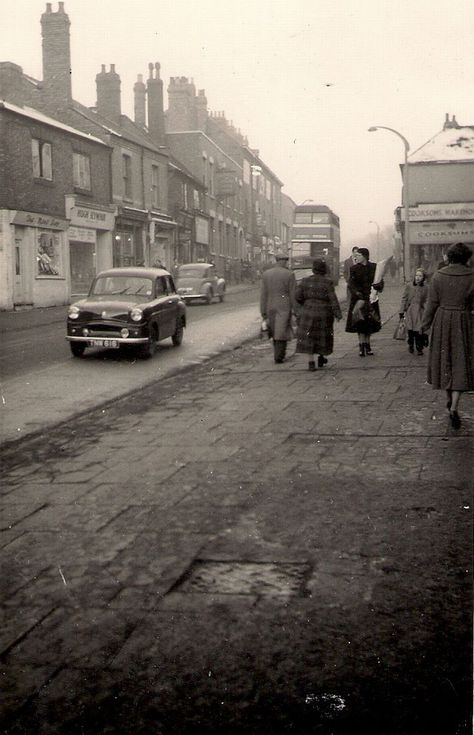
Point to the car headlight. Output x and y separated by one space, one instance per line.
73 312
136 315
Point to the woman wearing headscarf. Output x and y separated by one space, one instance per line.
315 333
363 316
449 312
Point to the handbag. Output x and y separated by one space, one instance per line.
400 330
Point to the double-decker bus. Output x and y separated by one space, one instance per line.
315 234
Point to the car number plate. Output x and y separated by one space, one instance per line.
111 343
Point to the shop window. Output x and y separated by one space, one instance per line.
42 159
48 254
81 171
127 176
155 186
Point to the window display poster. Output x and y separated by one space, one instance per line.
48 254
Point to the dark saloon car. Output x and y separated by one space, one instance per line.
199 281
127 307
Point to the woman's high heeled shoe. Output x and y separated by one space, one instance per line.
311 366
368 350
361 350
322 361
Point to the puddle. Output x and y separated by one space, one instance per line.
247 578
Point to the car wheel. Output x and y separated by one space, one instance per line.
77 348
221 297
209 298
148 350
177 337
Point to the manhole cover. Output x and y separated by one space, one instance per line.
247 578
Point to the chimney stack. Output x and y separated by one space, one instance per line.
182 108
201 110
56 58
156 118
108 94
139 91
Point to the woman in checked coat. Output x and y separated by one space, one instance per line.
315 334
449 312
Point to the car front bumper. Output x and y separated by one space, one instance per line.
120 340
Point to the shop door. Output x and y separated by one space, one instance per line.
83 271
21 275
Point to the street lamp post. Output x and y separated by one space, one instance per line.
372 222
406 200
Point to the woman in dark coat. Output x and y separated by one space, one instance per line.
365 319
449 313
315 334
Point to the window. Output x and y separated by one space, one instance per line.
42 167
127 176
155 186
196 198
211 178
185 196
48 254
81 171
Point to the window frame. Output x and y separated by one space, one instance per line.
78 157
42 164
127 176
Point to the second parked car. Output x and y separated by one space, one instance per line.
199 281
127 307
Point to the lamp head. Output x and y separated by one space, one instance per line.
373 129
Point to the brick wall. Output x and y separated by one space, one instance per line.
22 191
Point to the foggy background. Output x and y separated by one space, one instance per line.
303 80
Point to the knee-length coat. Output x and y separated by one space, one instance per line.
413 305
361 278
277 300
315 333
449 313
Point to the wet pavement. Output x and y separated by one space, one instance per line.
245 547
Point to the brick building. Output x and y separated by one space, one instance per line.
441 193
42 162
243 195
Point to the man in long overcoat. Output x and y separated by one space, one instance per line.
277 302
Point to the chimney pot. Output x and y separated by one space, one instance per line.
60 7
112 68
48 7
103 69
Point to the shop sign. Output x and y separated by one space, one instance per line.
441 233
81 234
202 230
423 212
45 221
89 216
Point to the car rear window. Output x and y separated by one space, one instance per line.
190 272
123 287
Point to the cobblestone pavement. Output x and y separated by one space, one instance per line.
245 548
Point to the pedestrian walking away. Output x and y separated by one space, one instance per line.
412 308
363 316
315 333
449 312
277 303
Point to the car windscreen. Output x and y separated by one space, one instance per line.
133 288
189 272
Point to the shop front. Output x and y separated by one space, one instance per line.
162 229
34 249
433 228
129 238
90 242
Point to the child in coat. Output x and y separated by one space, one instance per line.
412 307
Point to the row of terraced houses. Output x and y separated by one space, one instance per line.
83 189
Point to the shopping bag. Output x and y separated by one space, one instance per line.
400 330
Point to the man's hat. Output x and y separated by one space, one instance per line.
281 256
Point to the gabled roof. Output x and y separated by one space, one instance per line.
38 116
451 144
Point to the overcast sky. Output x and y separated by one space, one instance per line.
303 79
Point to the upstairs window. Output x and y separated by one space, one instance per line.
155 186
127 176
42 159
81 171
